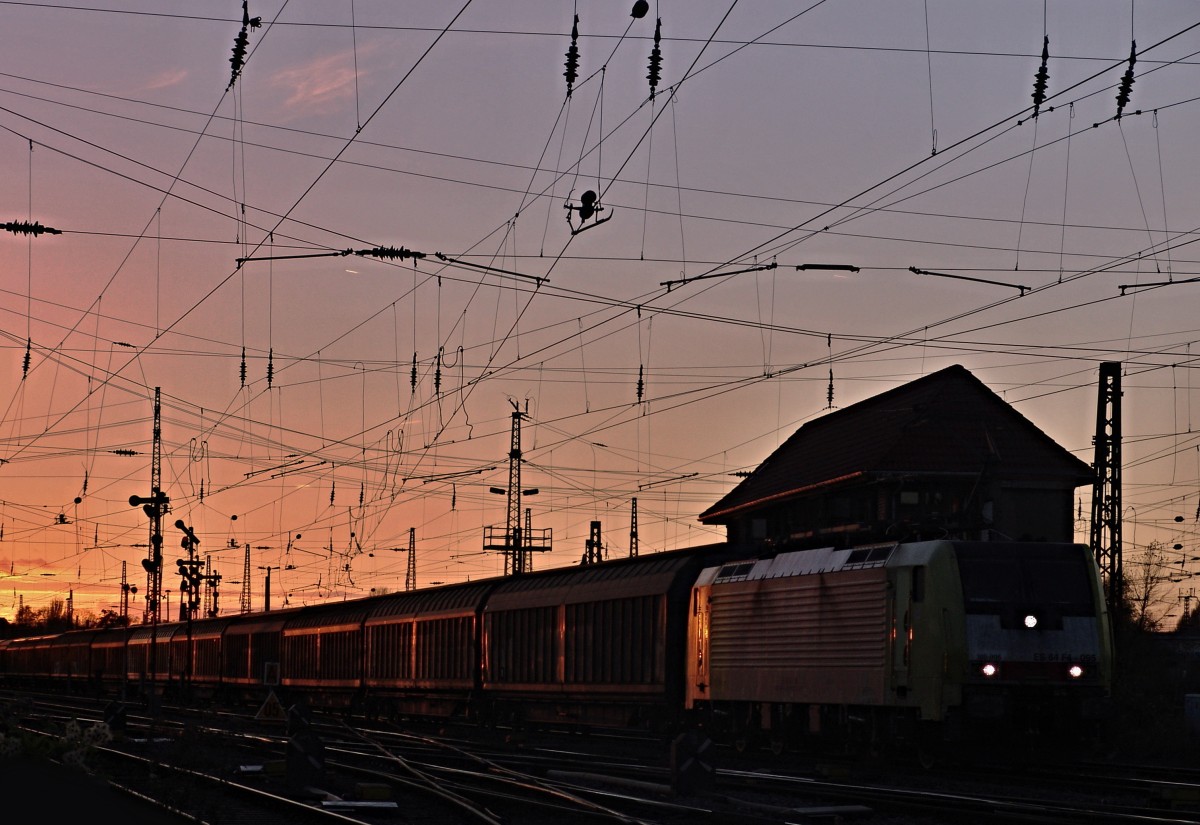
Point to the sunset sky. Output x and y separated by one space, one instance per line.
215 215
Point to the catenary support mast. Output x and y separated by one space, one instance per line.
410 577
1106 488
514 543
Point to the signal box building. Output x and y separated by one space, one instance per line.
940 457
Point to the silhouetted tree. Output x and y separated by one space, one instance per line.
1144 588
111 618
28 621
51 619
57 618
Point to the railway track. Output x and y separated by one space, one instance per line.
218 771
226 767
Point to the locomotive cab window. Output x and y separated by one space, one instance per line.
737 571
1050 576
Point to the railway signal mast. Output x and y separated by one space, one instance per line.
212 589
154 506
189 574
126 589
189 588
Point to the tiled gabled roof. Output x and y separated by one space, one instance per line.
946 422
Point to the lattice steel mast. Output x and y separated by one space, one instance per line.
1106 488
514 544
633 533
154 507
245 603
514 559
410 577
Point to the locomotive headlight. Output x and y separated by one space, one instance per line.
989 670
1075 671
1031 621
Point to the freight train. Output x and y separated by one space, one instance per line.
919 642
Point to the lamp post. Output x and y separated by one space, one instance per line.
515 543
267 592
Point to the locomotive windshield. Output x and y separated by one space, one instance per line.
1047 575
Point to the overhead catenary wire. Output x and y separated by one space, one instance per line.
517 284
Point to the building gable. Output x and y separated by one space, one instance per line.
947 424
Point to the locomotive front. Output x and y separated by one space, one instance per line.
1038 646
924 643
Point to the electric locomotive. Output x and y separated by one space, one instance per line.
922 642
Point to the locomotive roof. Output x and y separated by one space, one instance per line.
803 563
888 554
944 423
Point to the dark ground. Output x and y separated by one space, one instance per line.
46 791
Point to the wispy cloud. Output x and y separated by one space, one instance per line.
167 79
321 85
